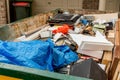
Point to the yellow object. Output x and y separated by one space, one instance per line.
2 77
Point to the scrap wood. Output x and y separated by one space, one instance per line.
118 78
108 68
111 36
107 57
107 60
117 25
115 61
116 56
113 68
116 71
117 38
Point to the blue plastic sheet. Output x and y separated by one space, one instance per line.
36 54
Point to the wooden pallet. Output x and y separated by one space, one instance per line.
116 51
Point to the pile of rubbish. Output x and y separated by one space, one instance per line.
75 46
36 54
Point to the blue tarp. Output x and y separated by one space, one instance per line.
36 54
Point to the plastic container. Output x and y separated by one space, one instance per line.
22 8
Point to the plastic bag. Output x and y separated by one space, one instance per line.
64 29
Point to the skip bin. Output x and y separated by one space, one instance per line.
25 73
22 8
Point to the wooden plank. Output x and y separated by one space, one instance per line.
106 60
116 72
113 68
118 78
108 68
117 26
117 33
117 40
107 57
111 36
115 61
116 51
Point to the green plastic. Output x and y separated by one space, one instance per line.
26 73
23 11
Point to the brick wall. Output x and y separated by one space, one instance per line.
2 12
91 4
